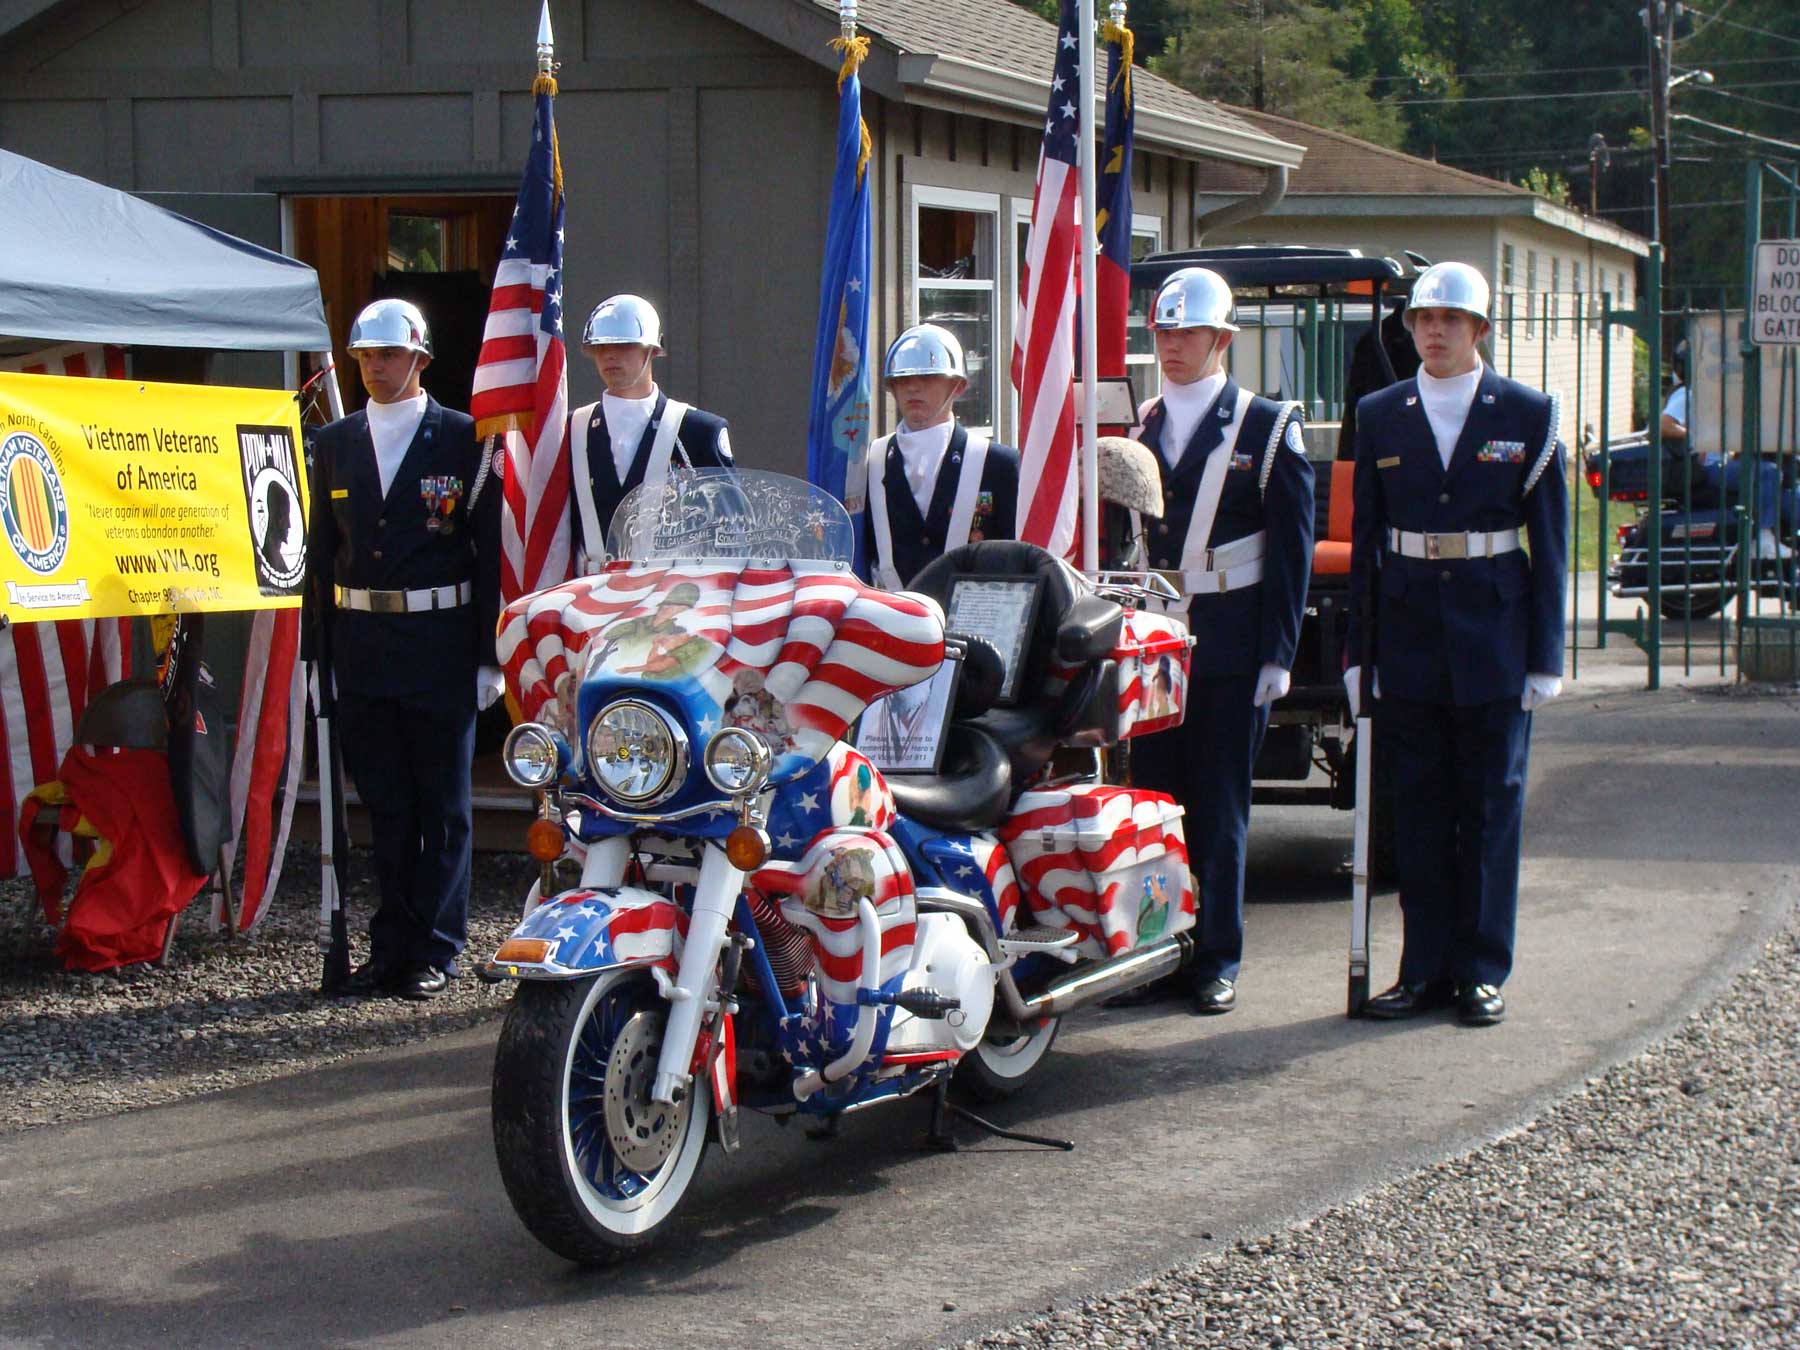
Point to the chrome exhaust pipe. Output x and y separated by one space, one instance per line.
1078 989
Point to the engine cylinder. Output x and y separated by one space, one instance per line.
789 949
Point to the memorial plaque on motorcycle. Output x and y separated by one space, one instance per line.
1775 297
1002 610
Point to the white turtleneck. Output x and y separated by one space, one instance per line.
391 428
922 455
626 419
1447 404
1183 407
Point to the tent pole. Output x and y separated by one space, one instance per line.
1090 363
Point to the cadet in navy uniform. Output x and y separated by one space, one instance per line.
635 432
1236 538
941 485
1455 469
404 555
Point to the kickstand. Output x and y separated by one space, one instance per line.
942 1138
825 1131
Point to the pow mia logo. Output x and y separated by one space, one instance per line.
272 503
34 506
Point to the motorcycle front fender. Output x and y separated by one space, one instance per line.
582 932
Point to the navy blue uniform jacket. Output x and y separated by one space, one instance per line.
357 538
920 538
1460 631
1240 631
702 436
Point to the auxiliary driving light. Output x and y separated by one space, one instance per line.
737 761
534 755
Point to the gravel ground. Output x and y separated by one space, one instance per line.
1658 1206
224 1011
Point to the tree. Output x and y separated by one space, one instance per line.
1289 57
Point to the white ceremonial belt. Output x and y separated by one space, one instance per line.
1218 580
406 602
1459 544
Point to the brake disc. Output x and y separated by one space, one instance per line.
643 1133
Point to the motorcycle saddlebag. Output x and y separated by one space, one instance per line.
1153 655
1109 862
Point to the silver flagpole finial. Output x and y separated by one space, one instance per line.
847 17
546 44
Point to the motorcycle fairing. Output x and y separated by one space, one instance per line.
843 790
591 931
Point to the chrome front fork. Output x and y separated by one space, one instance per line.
695 993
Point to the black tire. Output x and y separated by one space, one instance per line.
565 1181
1002 1066
1691 606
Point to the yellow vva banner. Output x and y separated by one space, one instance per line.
120 497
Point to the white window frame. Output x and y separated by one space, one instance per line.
1018 215
1152 226
960 199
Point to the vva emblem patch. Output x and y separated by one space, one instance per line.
33 505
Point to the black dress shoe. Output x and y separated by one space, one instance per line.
1408 1000
1479 1005
421 982
1214 997
368 979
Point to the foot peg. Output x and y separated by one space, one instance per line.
927 1004
1035 941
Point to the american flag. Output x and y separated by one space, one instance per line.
1043 363
521 386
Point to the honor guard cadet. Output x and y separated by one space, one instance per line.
1457 470
941 485
1235 538
635 432
404 546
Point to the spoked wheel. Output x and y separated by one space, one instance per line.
592 1166
1002 1064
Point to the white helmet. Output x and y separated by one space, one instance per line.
1194 297
1449 285
624 319
390 323
925 349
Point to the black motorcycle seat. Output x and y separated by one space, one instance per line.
1027 735
1090 629
971 790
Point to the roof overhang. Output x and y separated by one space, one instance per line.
1453 206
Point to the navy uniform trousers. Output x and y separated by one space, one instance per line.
919 539
1207 762
406 681
1453 640
702 438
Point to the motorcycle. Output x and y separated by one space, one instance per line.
766 920
1704 540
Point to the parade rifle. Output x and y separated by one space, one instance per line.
334 833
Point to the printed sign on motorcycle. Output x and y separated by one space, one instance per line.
123 497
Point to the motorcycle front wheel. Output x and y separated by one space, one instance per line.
592 1166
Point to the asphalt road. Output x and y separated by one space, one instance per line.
360 1204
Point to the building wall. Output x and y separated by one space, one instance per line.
1567 361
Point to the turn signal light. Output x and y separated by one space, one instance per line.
747 848
522 952
544 840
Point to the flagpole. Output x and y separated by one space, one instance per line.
1090 359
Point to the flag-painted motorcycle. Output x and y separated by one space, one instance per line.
766 920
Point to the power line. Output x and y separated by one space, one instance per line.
1579 70
1515 98
1744 27
1759 102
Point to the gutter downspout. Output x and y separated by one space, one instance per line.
1259 203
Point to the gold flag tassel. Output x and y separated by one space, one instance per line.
856 51
1119 33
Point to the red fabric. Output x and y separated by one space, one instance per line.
122 907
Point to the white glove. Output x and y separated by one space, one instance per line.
1539 690
1353 689
489 685
1271 683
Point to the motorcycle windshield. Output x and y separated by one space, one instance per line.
699 514
718 625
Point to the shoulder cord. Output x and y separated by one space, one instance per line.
1283 416
1548 453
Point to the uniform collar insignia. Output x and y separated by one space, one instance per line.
1487 398
1411 399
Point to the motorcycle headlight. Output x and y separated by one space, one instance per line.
637 752
737 761
534 755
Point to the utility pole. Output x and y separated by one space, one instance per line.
1659 31
1599 158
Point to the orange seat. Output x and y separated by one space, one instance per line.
1331 555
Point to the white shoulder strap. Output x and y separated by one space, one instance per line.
1212 488
593 539
968 487
656 472
882 564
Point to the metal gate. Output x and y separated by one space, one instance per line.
1714 521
